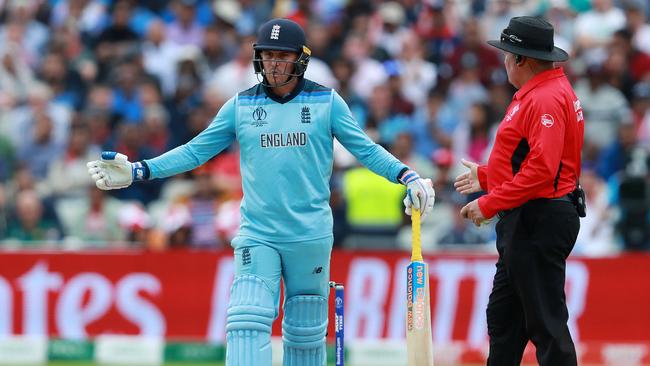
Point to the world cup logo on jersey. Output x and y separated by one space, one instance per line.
259 117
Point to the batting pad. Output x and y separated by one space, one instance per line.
303 330
251 312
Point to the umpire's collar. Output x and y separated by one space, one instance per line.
543 76
288 97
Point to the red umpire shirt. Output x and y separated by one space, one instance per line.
537 149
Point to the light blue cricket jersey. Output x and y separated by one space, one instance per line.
286 147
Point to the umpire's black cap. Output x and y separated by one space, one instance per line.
531 37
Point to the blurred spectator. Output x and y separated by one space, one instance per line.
625 63
473 50
496 18
65 83
382 120
89 17
8 159
22 118
462 232
402 149
217 50
391 29
604 106
23 29
16 77
434 28
160 56
617 155
92 219
238 74
40 147
67 175
202 207
156 132
28 223
4 211
126 99
641 112
399 104
417 75
596 236
594 28
134 219
635 12
185 29
368 72
472 138
302 12
634 202
466 89
433 124
115 41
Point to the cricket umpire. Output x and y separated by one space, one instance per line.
531 184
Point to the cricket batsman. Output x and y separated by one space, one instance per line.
285 126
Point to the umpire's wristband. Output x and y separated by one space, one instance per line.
140 171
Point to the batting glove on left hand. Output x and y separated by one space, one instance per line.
419 193
113 171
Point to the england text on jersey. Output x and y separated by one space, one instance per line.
268 140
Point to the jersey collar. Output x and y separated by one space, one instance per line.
538 79
288 97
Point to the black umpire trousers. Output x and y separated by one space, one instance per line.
528 300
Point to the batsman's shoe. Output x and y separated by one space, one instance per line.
114 171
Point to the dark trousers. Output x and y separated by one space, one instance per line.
527 300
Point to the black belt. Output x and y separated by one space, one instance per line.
565 198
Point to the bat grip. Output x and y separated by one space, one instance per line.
416 251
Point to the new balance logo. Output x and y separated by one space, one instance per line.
305 115
317 270
275 32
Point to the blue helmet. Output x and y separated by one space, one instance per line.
281 35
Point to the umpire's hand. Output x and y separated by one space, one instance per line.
467 183
473 212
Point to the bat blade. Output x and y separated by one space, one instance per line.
418 315
419 344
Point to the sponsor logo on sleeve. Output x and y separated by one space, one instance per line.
547 120
512 112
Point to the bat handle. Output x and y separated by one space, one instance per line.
416 251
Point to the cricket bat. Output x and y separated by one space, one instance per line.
419 344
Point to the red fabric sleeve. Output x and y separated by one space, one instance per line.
482 177
543 127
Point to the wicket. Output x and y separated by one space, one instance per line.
338 322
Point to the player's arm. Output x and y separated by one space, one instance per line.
115 171
345 128
546 141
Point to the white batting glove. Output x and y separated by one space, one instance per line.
419 193
113 171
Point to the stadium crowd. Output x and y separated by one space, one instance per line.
141 77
